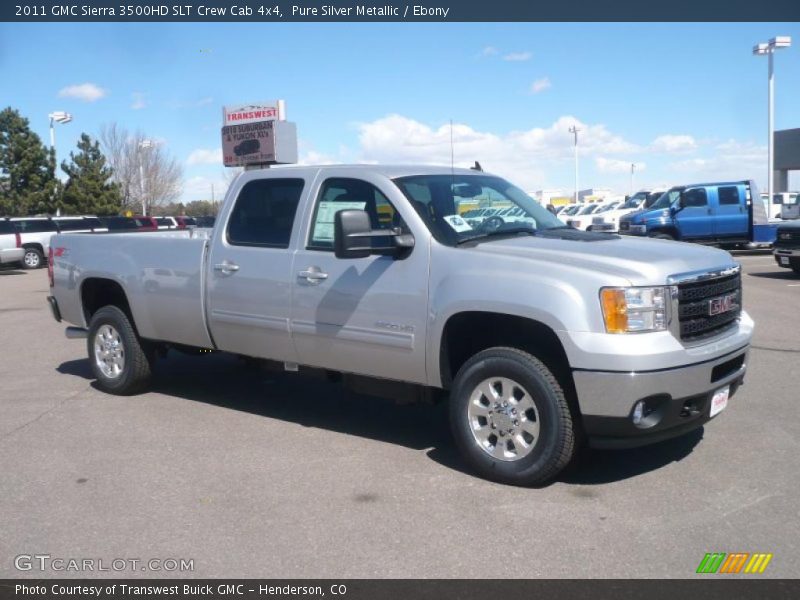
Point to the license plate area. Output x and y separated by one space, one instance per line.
719 400
784 260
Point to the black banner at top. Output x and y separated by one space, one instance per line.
276 11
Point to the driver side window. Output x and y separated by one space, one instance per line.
695 197
342 193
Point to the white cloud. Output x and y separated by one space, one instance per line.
489 51
202 156
674 144
614 165
138 101
732 159
523 156
540 85
88 92
517 56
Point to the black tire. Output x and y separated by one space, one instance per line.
32 259
137 370
557 441
663 236
796 269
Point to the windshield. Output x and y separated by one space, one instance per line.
570 210
607 207
587 210
667 199
635 200
443 201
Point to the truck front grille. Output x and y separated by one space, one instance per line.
788 238
699 303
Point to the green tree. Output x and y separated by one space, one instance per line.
201 208
89 189
27 169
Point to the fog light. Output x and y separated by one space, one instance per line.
638 412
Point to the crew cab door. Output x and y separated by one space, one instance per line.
364 315
249 268
695 218
731 212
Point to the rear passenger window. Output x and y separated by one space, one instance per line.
695 197
35 225
264 213
728 195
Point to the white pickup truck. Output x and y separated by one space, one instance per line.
539 336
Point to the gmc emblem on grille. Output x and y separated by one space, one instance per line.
722 304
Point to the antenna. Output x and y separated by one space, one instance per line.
452 152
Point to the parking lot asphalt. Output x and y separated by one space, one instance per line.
258 475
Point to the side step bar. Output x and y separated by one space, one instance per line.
76 333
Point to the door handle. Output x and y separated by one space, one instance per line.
312 275
226 267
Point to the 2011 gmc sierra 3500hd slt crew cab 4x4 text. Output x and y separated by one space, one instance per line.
539 336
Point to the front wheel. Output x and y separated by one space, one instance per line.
510 418
119 360
663 236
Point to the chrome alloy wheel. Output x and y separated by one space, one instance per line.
503 419
32 259
109 353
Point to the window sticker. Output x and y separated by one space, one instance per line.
323 227
457 223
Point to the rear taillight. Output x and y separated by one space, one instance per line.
50 267
19 239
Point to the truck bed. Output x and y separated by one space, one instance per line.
161 273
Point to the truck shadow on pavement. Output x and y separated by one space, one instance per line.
784 274
227 382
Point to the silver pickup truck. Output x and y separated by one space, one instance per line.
539 336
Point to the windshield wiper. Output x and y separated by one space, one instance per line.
497 233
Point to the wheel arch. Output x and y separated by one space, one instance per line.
97 292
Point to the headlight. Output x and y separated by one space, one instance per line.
634 309
638 229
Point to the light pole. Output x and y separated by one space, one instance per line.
768 48
633 169
574 131
62 117
143 145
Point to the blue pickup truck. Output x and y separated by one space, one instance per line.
713 213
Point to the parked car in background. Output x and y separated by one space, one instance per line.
609 220
583 218
205 221
117 223
82 224
726 213
166 222
35 234
11 250
787 246
779 201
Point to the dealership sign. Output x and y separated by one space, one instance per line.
239 114
259 143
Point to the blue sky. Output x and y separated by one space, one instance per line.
682 101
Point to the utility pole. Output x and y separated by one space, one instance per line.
574 131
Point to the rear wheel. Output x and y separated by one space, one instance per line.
510 418
32 258
120 361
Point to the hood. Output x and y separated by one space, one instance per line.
641 261
648 213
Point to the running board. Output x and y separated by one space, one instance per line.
76 333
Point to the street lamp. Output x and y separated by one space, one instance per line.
62 117
768 48
574 131
143 145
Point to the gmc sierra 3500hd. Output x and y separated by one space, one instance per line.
539 336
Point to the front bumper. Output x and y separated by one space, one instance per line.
679 399
11 255
788 258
